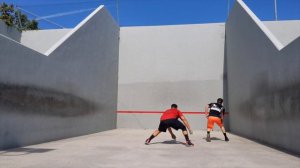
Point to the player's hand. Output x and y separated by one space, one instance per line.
191 132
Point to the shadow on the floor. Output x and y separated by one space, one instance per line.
169 142
23 151
214 139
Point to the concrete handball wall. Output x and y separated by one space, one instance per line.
42 40
72 92
263 81
285 31
161 65
10 32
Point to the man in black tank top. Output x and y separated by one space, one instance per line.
215 115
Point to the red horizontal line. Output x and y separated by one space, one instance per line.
141 112
155 112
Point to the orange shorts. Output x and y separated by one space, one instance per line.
212 120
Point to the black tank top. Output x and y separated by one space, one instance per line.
216 109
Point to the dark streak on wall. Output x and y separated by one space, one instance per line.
263 82
272 102
35 100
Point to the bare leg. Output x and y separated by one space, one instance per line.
155 133
172 134
224 133
208 135
223 129
185 132
186 135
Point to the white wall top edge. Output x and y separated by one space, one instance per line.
268 33
172 25
17 42
63 39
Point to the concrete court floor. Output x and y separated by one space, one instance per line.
125 148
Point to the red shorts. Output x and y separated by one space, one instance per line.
212 120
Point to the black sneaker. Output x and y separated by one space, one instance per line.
147 141
189 143
226 139
208 138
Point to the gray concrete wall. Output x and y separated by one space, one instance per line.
147 85
161 65
262 81
10 32
42 40
71 92
285 31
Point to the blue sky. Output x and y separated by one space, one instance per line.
152 12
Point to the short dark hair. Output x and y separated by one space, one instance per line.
220 100
174 106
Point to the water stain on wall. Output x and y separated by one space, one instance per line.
269 102
36 100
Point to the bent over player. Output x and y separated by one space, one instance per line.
215 115
170 119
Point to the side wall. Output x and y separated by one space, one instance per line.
10 32
42 40
286 31
69 93
263 82
161 65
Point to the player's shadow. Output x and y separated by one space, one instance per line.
24 151
169 142
214 139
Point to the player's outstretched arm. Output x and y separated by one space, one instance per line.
206 111
186 123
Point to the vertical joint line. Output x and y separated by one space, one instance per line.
117 8
275 9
